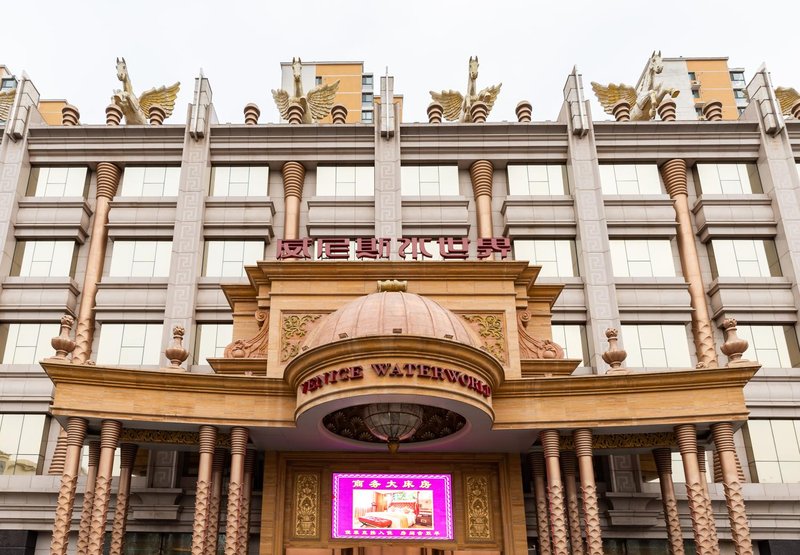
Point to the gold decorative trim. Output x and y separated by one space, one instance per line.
173 437
624 441
306 505
294 328
491 330
479 514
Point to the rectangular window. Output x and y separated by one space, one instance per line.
58 182
156 181
130 344
366 117
22 437
772 346
726 179
656 345
537 180
345 181
737 77
572 337
318 80
642 258
773 450
744 258
630 179
44 259
695 93
8 83
211 341
366 80
692 76
228 258
739 94
367 98
140 259
557 257
27 343
239 181
429 181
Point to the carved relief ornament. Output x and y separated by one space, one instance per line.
491 330
256 346
532 348
306 505
294 328
479 515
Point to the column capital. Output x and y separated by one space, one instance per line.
723 436
208 438
294 174
127 454
663 458
674 175
108 175
583 442
686 434
110 431
550 441
239 436
76 431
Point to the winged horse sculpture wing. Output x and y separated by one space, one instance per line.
610 95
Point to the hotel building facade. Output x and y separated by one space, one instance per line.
571 336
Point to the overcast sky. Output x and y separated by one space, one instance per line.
69 48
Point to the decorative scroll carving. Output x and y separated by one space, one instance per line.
66 498
174 437
256 346
294 328
306 505
558 521
479 517
531 347
491 330
623 441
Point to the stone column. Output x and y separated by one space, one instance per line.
481 172
674 174
238 446
663 458
88 496
59 455
76 433
127 458
568 464
591 511
704 537
701 462
110 431
244 516
294 174
540 493
212 528
107 182
740 529
208 440
555 493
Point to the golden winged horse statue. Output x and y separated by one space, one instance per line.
644 99
457 107
137 109
6 101
317 103
787 98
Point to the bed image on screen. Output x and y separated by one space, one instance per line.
395 510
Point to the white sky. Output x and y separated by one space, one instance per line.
69 48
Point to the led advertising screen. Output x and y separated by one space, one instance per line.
392 506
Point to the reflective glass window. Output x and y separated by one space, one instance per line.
642 258
656 345
772 346
58 182
140 259
151 181
773 450
630 179
424 181
130 344
744 258
345 181
27 343
211 341
21 443
239 181
44 259
537 180
728 179
228 258
557 257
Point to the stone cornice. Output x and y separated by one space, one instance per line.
89 144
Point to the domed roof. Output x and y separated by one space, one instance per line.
391 313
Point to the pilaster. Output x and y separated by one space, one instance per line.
388 199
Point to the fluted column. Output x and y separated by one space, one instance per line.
740 528
568 464
294 174
208 439
591 511
212 528
663 458
555 492
238 446
674 174
76 433
540 493
703 536
110 431
88 496
244 515
481 172
127 458
107 182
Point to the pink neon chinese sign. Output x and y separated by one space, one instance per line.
392 507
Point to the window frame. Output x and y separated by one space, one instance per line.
171 174
671 357
645 173
411 181
242 262
160 265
